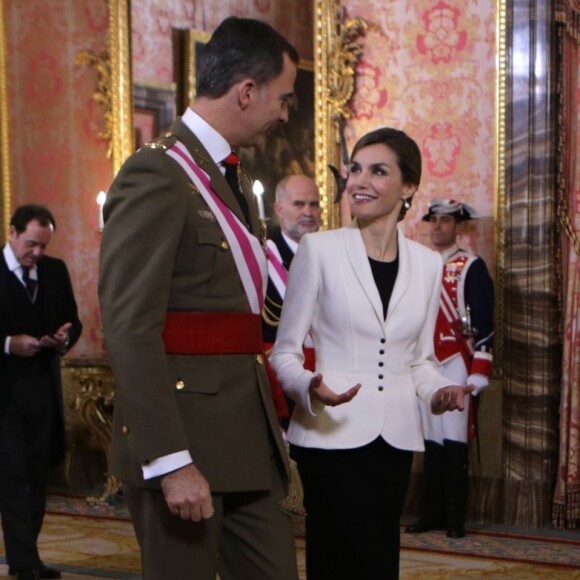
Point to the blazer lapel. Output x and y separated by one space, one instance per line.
205 162
285 252
403 275
359 261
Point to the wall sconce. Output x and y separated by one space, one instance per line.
258 190
101 197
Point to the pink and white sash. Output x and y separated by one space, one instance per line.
276 271
279 276
246 249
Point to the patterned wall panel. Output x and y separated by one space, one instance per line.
429 68
56 156
153 20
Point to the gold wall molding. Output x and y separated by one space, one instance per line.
336 52
500 186
114 87
5 194
121 85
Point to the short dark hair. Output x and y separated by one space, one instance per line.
26 213
241 48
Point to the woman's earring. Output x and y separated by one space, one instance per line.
406 203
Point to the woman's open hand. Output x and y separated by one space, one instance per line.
320 392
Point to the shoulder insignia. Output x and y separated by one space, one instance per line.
163 143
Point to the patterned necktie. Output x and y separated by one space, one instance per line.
28 281
231 164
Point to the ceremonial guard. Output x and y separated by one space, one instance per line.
463 349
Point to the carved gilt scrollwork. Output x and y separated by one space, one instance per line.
94 404
343 60
337 50
102 64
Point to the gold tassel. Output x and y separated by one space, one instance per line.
293 504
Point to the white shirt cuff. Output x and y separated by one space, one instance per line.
479 382
166 464
7 345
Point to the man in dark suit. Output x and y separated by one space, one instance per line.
183 273
38 324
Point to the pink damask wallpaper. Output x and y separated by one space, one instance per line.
57 158
153 20
429 69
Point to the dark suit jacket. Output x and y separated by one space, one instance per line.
162 251
273 304
57 306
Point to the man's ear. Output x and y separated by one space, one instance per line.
277 208
13 233
246 92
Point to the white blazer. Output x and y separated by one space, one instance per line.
332 294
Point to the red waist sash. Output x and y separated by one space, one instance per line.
213 333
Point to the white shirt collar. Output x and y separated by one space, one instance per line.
14 265
291 243
10 258
446 254
216 145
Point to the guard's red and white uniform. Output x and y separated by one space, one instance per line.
463 338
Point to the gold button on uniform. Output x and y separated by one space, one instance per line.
179 385
125 430
259 359
225 245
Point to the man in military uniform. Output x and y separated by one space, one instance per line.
463 348
195 436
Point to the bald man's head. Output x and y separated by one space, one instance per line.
298 206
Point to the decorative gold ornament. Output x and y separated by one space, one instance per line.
95 403
336 54
343 58
102 64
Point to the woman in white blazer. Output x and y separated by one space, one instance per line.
369 298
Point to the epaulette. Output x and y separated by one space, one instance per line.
163 143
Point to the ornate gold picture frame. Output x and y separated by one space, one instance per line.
5 195
290 149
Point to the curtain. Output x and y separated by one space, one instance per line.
566 503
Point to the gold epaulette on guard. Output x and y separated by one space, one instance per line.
163 143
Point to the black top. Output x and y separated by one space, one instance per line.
385 274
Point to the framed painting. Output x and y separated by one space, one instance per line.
287 151
153 111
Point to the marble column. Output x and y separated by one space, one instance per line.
531 303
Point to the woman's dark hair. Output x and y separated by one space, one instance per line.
406 152
241 48
26 213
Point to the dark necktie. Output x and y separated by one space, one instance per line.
231 164
28 281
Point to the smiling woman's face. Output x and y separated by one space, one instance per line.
375 185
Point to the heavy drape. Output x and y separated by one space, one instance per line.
566 504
